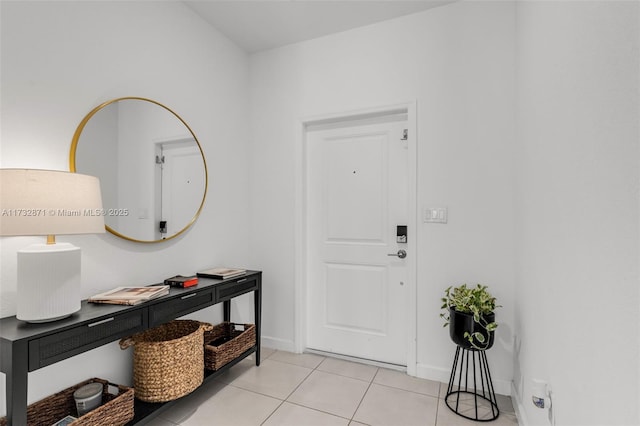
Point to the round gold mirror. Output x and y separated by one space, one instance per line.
151 167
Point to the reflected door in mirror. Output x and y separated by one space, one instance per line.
123 142
179 183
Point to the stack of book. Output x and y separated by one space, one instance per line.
182 281
130 295
222 273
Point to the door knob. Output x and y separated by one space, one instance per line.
401 254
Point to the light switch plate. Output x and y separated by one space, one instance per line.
434 215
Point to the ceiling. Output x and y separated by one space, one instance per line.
267 24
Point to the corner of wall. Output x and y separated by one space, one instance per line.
521 413
278 344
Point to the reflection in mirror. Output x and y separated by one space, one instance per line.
151 168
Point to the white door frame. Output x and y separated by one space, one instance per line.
300 337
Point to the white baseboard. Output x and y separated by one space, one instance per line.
276 343
429 372
424 371
517 405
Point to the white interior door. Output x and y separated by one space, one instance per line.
183 183
357 189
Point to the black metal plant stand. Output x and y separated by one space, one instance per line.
472 400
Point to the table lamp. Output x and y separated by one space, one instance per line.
48 202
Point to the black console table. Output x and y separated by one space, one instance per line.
27 347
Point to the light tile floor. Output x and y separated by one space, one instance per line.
312 390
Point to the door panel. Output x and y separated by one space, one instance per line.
354 176
357 195
347 283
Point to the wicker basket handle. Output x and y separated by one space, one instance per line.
126 342
205 326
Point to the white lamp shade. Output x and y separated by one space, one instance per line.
49 202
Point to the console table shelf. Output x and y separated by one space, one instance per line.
28 347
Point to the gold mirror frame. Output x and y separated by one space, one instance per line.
76 140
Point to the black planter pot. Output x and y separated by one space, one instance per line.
460 322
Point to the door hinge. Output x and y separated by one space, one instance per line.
405 134
159 159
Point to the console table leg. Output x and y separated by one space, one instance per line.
16 384
257 301
226 311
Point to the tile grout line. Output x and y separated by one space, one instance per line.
318 410
312 370
364 395
296 388
349 377
407 390
272 413
435 423
326 372
303 380
282 401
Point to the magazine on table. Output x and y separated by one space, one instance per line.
130 295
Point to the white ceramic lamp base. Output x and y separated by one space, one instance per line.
48 282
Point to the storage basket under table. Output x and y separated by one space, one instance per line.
167 360
116 409
236 343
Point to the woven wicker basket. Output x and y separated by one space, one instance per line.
167 360
240 341
116 410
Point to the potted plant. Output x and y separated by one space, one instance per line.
469 313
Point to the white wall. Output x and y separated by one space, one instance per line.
457 62
577 169
59 61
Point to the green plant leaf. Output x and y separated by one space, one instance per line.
472 300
